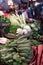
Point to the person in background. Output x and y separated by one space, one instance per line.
17 10
5 5
11 6
32 10
11 9
25 1
41 11
25 13
41 19
19 3
10 2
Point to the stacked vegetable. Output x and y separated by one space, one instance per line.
16 52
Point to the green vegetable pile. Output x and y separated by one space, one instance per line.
16 51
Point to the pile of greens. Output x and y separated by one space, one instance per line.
16 51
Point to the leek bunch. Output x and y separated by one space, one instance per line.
17 20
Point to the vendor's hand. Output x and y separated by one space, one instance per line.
30 19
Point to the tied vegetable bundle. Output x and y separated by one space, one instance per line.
20 24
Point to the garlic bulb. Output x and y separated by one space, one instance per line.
25 31
20 31
28 28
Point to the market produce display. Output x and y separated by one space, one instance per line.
18 51
18 25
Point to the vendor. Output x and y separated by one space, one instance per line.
11 6
32 10
11 9
17 10
25 12
10 2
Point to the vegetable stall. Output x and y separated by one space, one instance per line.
18 39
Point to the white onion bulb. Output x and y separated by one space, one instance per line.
20 31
